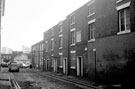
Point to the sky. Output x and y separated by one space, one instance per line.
26 20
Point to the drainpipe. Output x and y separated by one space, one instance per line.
94 50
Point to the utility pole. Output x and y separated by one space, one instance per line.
0 31
2 8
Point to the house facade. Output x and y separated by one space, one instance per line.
95 41
37 55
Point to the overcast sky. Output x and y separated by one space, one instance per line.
26 20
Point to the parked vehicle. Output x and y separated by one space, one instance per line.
13 66
4 64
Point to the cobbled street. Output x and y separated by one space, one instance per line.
27 79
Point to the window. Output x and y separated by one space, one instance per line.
52 44
60 41
52 32
72 19
124 20
78 36
61 28
61 60
41 47
91 8
46 46
91 31
72 37
72 59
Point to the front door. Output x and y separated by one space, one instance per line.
79 66
55 64
65 66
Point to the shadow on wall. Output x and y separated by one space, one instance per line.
118 69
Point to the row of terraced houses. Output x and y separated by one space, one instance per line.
95 41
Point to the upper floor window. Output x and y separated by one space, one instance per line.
60 41
52 44
78 36
73 36
60 30
124 18
91 8
46 46
72 19
52 32
91 31
41 47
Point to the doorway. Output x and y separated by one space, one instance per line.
65 65
79 66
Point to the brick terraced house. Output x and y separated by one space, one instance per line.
37 55
96 41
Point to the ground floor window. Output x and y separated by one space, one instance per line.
73 60
61 61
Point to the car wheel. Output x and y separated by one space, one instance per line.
18 70
9 70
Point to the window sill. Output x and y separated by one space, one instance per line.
92 40
60 48
118 1
51 50
60 66
123 32
72 67
72 45
91 14
60 31
72 23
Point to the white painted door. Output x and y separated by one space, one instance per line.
65 65
55 64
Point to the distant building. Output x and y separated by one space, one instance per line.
37 54
6 50
26 49
6 57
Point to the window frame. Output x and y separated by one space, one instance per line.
73 37
61 29
89 8
123 7
71 53
60 41
52 44
78 36
89 30
72 19
46 42
52 31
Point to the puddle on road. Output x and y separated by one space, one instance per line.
28 85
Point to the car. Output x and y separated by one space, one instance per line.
25 65
13 66
4 64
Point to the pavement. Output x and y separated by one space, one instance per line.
4 80
79 80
